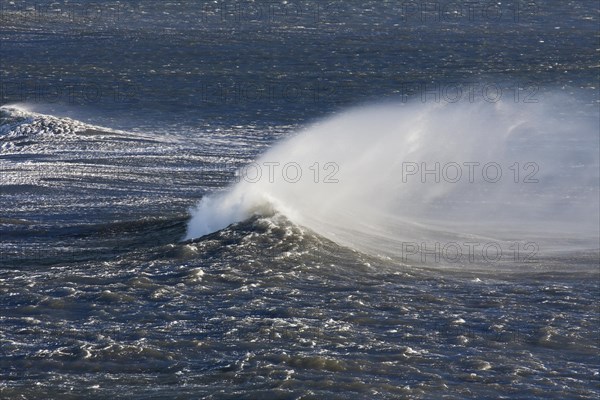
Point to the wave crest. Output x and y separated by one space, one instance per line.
411 173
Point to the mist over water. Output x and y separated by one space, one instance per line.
377 177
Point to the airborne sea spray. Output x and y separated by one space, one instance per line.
380 177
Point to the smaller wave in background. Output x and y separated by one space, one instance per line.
74 192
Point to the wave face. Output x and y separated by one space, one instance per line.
376 178
17 123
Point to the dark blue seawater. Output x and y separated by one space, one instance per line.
118 117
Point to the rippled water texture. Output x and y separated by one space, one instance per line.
119 118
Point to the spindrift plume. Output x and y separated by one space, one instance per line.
377 177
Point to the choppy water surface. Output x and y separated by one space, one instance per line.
119 117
